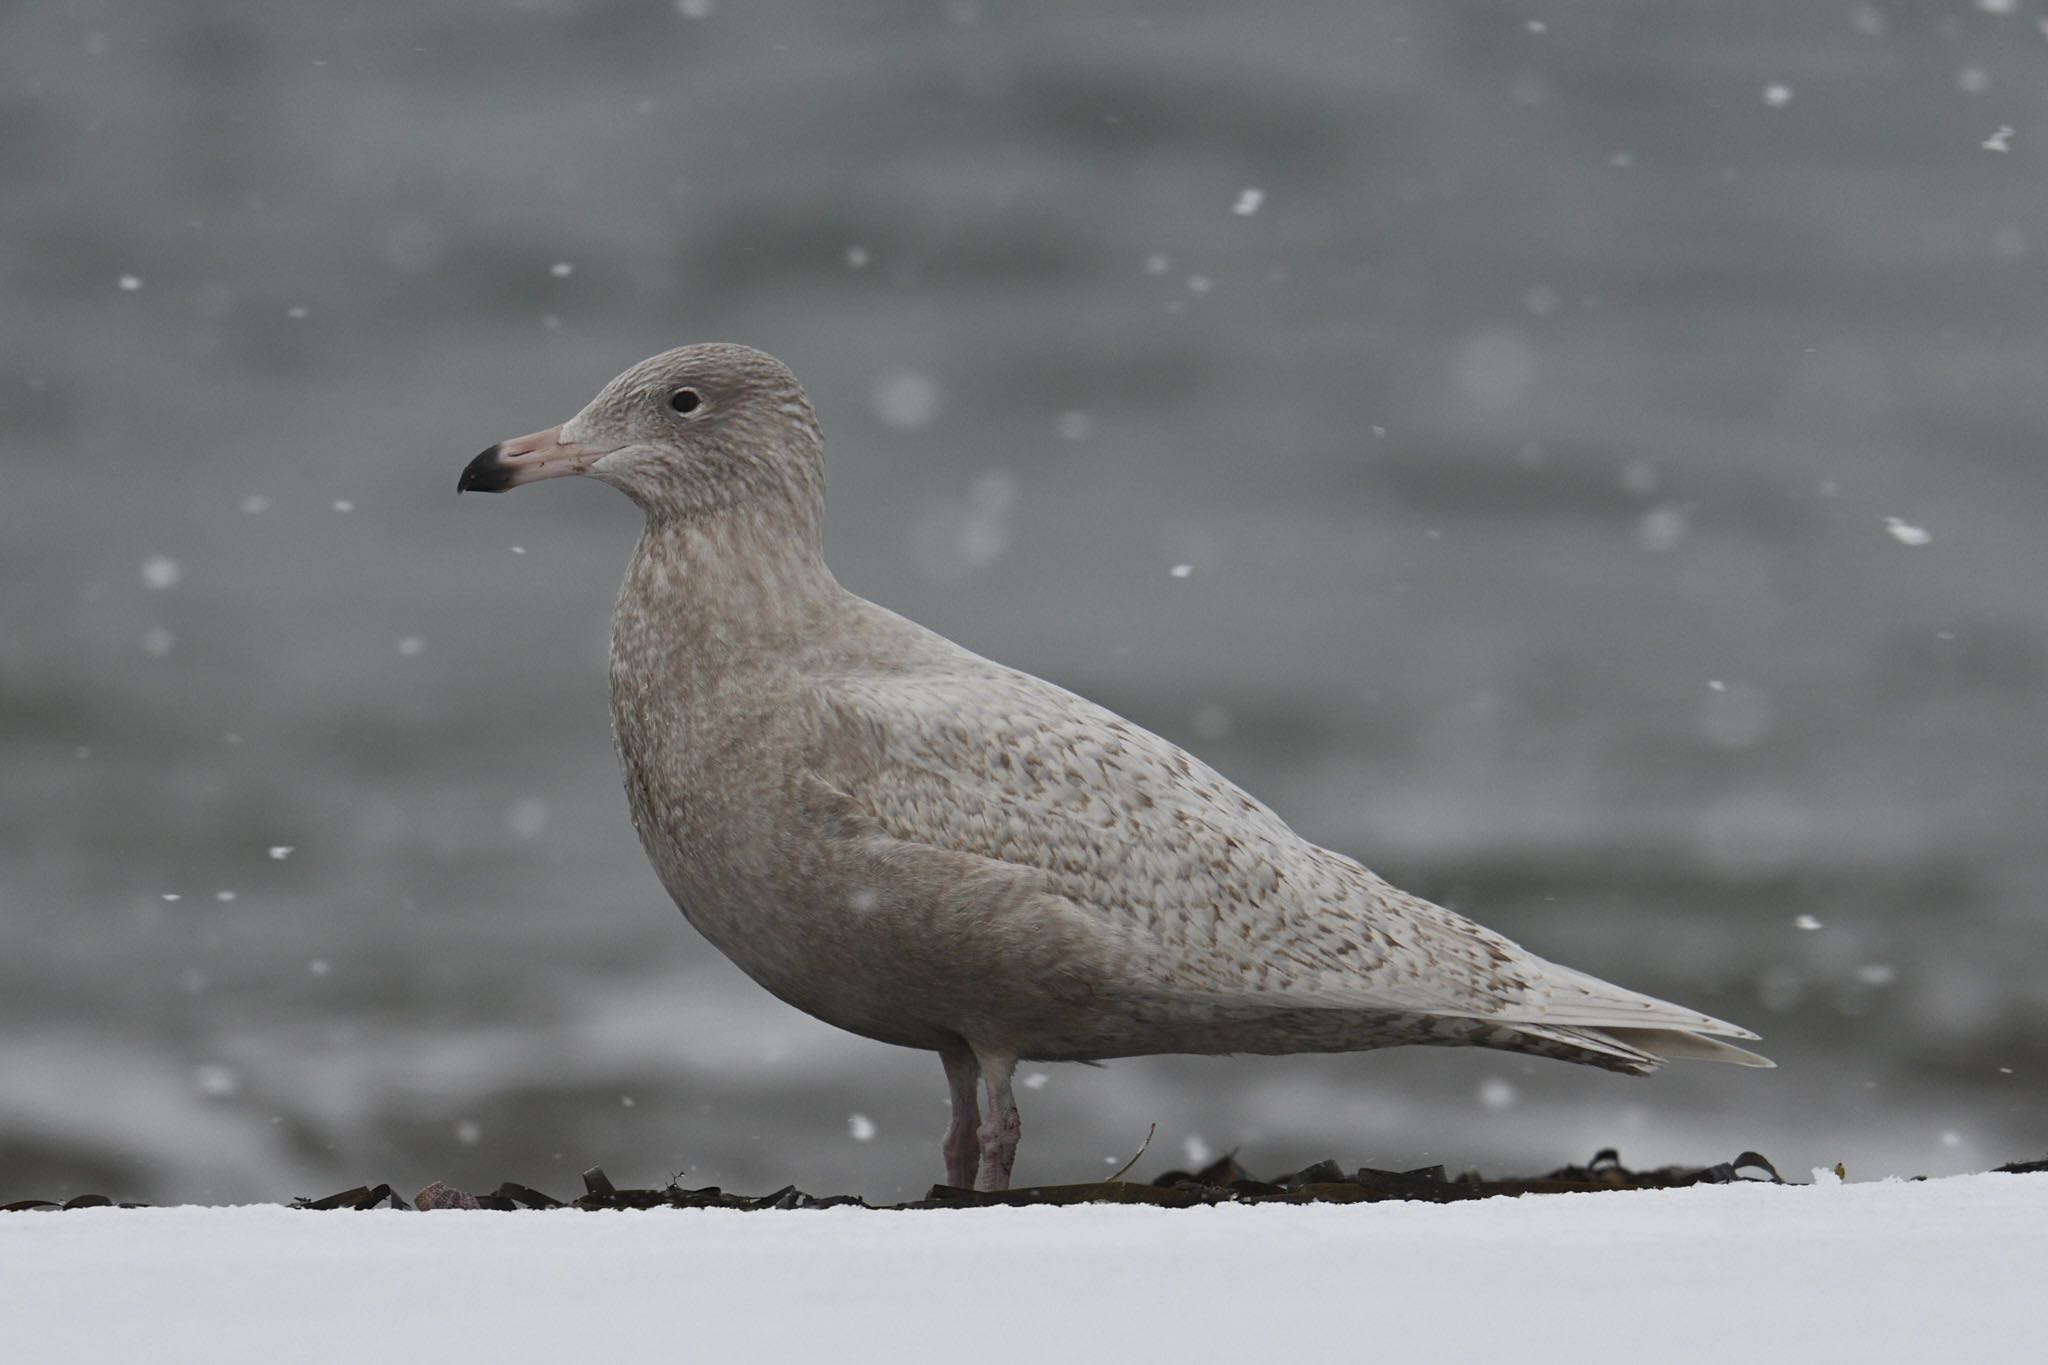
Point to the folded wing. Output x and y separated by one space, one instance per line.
1200 891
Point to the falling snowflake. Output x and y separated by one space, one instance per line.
1777 95
161 572
528 818
1661 528
1249 200
1806 922
2000 141
216 1080
907 400
1905 532
860 1128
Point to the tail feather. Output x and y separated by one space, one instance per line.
1676 1044
1635 1051
1579 1000
1577 1017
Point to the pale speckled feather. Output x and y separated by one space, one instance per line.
1200 893
925 847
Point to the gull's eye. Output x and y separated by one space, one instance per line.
685 400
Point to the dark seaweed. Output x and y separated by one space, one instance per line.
1222 1181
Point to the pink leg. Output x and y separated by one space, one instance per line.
963 1141
1002 1128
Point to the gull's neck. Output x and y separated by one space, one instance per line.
715 584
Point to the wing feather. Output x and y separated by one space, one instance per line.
1200 890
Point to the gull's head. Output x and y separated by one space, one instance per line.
691 430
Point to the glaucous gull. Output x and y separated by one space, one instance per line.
930 849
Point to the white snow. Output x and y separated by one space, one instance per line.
1497 1093
1870 1272
161 573
1905 532
908 400
1661 528
528 818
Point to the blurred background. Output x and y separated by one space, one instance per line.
1583 459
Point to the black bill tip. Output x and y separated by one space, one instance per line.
487 473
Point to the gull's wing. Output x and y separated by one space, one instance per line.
1201 890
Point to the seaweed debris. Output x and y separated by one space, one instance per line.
1220 1182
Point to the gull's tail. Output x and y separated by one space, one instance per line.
1581 1018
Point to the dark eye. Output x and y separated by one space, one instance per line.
685 400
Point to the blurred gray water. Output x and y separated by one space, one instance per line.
1525 389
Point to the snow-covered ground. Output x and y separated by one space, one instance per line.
1945 1269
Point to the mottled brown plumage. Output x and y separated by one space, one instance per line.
921 846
